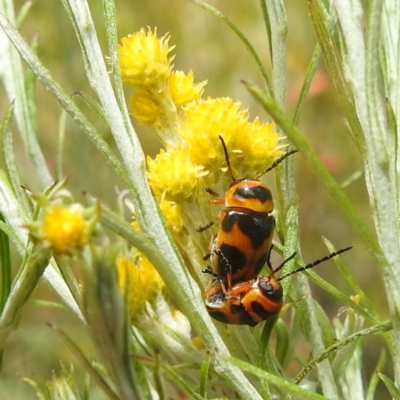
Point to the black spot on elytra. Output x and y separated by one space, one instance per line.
219 316
230 259
244 317
247 319
261 311
258 227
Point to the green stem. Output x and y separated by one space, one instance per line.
243 38
37 260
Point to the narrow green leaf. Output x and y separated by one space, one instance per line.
48 304
264 356
312 68
279 28
313 333
42 391
10 161
11 211
110 19
24 285
140 370
295 337
60 145
243 38
390 385
282 341
136 239
277 381
5 267
267 24
291 242
383 327
86 364
13 236
23 13
325 324
353 283
92 104
69 279
333 65
158 378
244 344
373 383
334 291
205 367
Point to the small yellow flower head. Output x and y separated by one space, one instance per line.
182 88
141 280
144 107
64 228
172 175
173 215
255 149
252 147
207 119
144 58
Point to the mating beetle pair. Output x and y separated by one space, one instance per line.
239 251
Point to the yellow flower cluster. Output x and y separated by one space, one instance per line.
161 93
252 146
140 280
188 125
174 174
189 128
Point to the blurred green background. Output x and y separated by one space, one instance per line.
212 51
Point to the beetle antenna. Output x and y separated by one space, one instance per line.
277 162
227 158
283 264
313 264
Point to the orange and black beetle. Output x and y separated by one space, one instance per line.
249 303
241 248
